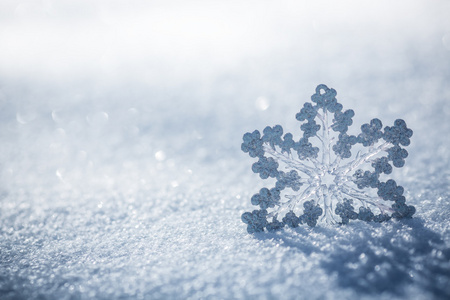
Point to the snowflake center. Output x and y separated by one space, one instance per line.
327 178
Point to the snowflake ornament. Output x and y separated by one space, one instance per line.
321 182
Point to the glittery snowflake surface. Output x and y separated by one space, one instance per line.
317 177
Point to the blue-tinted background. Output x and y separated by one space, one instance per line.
121 174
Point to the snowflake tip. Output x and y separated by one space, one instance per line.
398 134
325 98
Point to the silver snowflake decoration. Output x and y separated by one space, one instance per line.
321 180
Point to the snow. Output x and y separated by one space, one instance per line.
121 174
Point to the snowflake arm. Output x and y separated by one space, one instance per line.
362 159
364 198
293 200
283 157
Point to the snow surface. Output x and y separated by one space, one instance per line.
121 174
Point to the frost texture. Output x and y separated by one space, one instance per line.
322 181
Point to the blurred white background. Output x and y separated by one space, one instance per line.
170 42
82 76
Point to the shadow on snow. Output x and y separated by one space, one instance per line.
374 261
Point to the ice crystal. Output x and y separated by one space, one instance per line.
323 182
